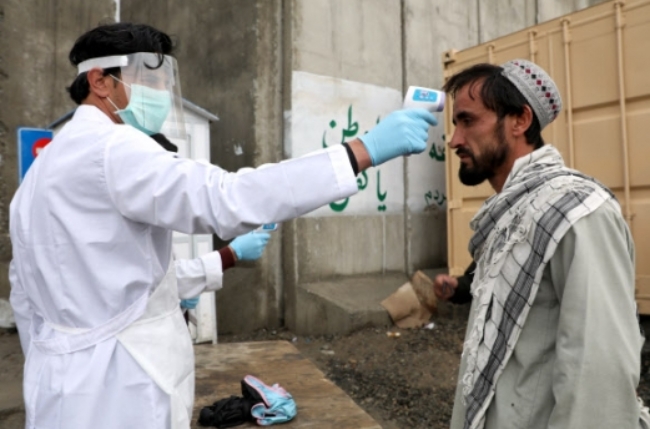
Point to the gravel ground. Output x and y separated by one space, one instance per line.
404 381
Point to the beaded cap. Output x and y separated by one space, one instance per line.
537 87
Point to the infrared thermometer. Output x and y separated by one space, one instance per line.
425 98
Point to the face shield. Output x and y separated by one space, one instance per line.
152 88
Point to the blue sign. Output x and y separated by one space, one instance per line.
30 142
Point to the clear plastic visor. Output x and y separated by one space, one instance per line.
152 88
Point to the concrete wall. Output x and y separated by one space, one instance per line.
36 37
547 10
357 44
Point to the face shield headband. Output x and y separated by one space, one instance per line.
152 88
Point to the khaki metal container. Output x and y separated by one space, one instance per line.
600 59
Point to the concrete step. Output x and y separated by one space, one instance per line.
347 304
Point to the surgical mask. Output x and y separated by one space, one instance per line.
147 109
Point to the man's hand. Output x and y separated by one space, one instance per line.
444 286
249 247
403 132
190 303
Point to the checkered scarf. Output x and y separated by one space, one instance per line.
516 233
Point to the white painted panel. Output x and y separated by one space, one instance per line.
201 142
192 327
426 173
206 317
192 118
197 147
182 246
205 313
327 111
202 244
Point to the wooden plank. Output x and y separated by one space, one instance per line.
321 404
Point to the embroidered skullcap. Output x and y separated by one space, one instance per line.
537 87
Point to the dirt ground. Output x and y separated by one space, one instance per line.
402 382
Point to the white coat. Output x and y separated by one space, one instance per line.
91 235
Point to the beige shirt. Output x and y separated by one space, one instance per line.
577 361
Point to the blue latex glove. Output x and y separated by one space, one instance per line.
190 303
403 132
249 247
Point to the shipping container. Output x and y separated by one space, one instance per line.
600 59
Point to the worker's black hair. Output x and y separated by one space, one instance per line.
114 39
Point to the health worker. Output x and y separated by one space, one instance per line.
92 287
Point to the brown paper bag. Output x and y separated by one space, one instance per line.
412 305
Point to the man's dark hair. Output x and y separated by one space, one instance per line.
498 94
114 39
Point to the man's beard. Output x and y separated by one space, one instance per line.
484 167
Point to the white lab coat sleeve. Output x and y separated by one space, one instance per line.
598 339
202 274
150 185
21 307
